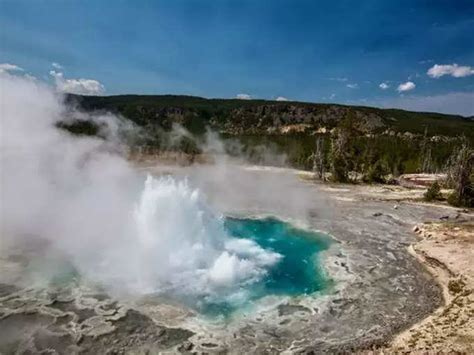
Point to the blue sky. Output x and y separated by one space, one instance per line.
317 51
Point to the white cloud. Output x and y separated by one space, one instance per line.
437 71
409 85
460 103
77 86
384 86
281 98
332 96
352 86
244 97
7 67
342 80
56 65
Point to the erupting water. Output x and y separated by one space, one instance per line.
185 249
176 247
214 264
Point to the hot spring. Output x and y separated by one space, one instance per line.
175 247
297 272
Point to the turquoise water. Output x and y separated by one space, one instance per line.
297 273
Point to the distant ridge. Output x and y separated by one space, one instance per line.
257 116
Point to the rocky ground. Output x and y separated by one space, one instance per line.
447 250
380 289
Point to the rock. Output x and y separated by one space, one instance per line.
209 345
186 346
416 229
395 207
377 214
289 309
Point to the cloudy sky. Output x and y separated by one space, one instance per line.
407 53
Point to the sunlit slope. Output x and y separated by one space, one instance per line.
271 117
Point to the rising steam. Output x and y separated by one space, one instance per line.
129 232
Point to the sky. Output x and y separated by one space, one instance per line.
410 54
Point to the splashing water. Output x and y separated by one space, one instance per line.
185 250
175 246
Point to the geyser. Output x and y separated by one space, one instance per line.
211 263
131 233
184 249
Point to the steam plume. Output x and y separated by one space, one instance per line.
129 232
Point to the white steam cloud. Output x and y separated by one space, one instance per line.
6 67
78 195
56 65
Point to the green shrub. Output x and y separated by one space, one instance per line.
433 193
376 173
339 170
466 200
80 127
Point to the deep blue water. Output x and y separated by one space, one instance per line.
297 273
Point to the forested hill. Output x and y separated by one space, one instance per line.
262 117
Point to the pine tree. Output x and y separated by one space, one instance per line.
460 177
339 156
